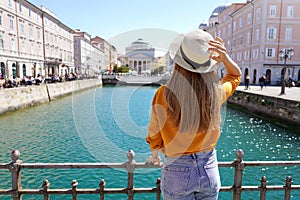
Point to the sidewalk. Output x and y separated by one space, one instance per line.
292 93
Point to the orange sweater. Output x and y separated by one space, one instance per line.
162 135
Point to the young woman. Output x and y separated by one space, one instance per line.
185 118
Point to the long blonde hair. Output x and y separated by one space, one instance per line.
194 100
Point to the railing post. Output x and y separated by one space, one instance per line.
102 185
15 169
130 166
74 186
238 174
158 189
288 188
263 188
46 186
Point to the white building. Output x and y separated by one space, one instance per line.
140 56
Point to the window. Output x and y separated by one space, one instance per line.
0 18
270 53
30 32
258 13
272 12
9 3
239 56
271 33
38 33
257 34
248 38
39 49
23 45
246 55
32 47
290 11
255 53
11 23
29 12
234 25
1 41
240 40
249 18
241 22
12 44
20 7
47 37
288 33
22 28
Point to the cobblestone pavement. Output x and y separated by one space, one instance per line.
292 93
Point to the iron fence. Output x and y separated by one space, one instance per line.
130 165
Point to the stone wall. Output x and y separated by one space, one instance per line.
16 98
281 110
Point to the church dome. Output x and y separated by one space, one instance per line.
218 10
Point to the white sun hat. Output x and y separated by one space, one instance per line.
190 51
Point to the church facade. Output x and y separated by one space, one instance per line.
140 56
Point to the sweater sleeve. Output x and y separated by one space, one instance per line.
154 138
230 83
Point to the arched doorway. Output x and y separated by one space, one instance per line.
254 76
24 70
2 70
268 76
14 70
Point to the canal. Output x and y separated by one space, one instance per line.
100 125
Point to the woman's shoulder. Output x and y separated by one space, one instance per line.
159 94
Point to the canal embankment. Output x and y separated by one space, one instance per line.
13 99
268 103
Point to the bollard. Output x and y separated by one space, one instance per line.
46 185
15 169
263 188
74 187
102 185
288 188
130 166
238 174
158 189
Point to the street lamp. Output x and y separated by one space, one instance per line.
284 54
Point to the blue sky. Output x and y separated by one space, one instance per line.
110 18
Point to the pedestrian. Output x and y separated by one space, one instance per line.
262 81
247 82
185 117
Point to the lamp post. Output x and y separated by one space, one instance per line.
285 54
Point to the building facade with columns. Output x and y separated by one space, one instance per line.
140 56
254 34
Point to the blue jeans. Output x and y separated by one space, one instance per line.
191 177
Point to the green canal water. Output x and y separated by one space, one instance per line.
101 125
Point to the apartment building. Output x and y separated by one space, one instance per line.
88 53
255 32
33 41
58 45
21 42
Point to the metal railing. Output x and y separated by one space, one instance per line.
237 188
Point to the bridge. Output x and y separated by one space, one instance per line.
115 79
